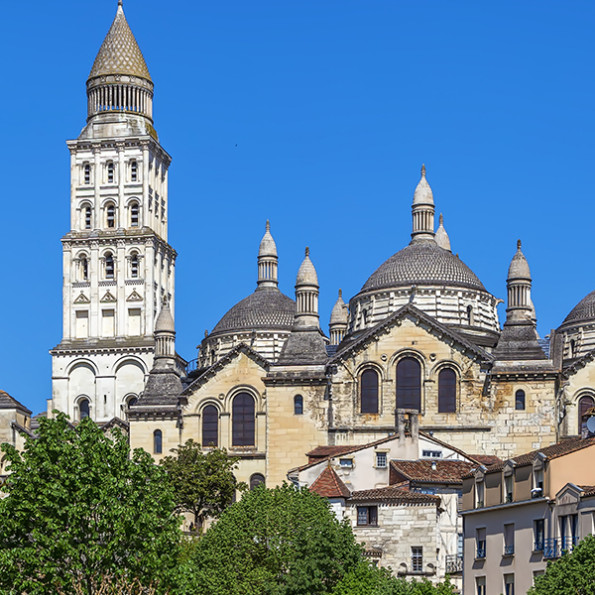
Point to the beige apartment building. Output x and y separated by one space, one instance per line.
522 513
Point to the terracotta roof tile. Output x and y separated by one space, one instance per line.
393 495
486 460
587 491
329 485
433 471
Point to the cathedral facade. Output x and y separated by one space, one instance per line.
422 338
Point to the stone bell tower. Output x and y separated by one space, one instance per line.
117 264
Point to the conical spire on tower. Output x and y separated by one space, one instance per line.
267 260
339 320
306 294
422 210
442 238
520 305
119 79
165 338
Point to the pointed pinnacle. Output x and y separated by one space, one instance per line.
518 244
268 225
121 3
307 251
340 293
423 170
441 219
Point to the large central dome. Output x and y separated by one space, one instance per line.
423 263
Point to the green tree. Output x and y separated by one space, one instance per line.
572 574
280 541
80 508
365 579
204 484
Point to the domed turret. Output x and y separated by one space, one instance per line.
339 320
165 338
423 210
267 260
442 238
120 80
306 294
307 273
519 267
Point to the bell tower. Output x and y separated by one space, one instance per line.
117 265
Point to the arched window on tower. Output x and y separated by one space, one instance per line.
298 405
572 352
369 391
470 315
134 265
519 400
243 420
133 171
110 215
409 384
87 217
84 409
447 391
584 405
157 442
134 214
210 426
84 268
87 173
109 265
255 480
110 172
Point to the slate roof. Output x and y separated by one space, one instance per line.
446 471
329 485
304 347
582 312
120 53
393 495
163 389
266 308
519 342
8 402
423 263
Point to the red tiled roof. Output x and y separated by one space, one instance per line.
394 495
433 471
323 452
329 485
486 460
587 491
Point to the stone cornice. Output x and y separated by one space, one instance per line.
110 143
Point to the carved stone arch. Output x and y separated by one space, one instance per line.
132 199
240 388
109 200
393 360
129 359
445 363
202 403
87 363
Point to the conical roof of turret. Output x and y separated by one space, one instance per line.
339 311
307 273
441 236
120 53
519 267
165 321
423 193
267 244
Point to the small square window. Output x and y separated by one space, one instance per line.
381 460
346 463
367 516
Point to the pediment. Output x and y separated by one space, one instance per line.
82 299
108 298
409 314
134 297
569 494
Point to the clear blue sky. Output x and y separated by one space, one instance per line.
316 114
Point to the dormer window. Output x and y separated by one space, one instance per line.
508 483
479 492
133 171
537 491
110 172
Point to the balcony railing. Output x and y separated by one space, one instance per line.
480 552
538 545
509 550
550 548
454 564
567 543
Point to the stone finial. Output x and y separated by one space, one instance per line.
340 293
206 333
268 225
423 170
307 251
121 3
441 219
518 244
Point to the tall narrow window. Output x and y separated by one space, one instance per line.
369 391
417 559
110 172
88 217
157 442
447 391
134 266
519 400
256 480
110 215
84 409
87 173
134 214
584 404
133 171
109 265
84 268
298 405
243 421
409 384
210 426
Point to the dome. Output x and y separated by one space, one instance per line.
519 267
266 308
423 263
584 311
307 273
119 53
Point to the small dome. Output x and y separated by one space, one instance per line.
339 314
266 308
423 263
584 311
423 193
519 267
307 273
441 236
267 244
165 321
120 53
